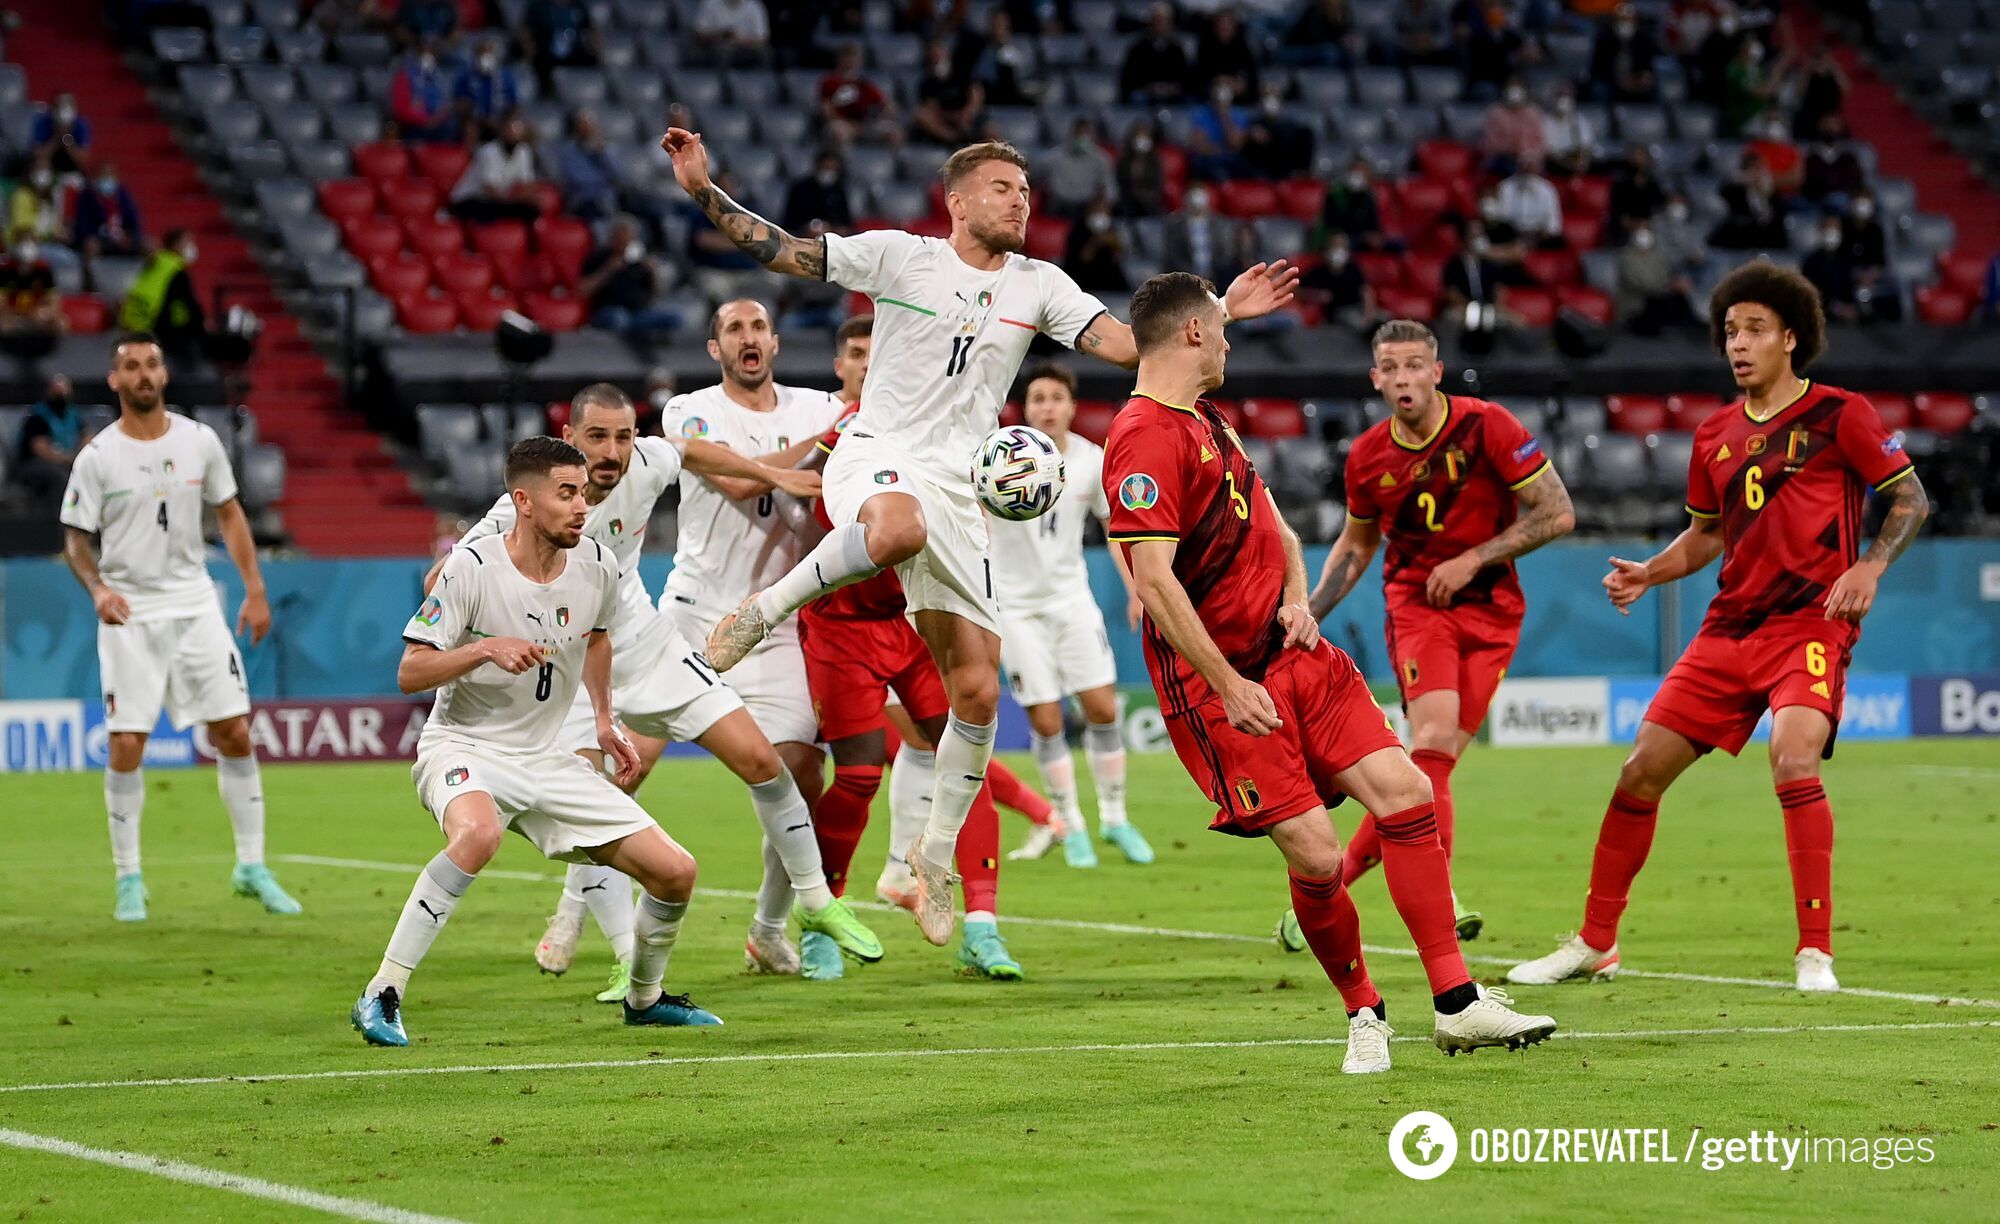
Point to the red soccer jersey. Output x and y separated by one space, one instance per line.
1180 474
1452 492
1789 491
877 598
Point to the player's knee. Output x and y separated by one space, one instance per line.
1793 765
473 844
1435 737
758 764
1642 778
1413 790
231 738
127 751
895 538
975 694
670 875
858 781
1046 720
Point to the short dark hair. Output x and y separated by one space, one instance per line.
854 328
1785 293
1164 303
132 337
961 163
715 317
538 457
1055 370
598 395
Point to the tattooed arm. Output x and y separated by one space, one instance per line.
764 242
1545 514
1853 593
1344 565
1106 337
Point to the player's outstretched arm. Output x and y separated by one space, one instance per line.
80 552
764 242
1545 514
1352 553
796 512
1111 340
1692 549
425 667
1247 705
1853 593
255 614
740 477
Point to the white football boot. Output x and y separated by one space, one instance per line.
1367 1044
1489 1021
558 947
1573 959
1815 970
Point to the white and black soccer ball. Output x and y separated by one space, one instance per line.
1018 473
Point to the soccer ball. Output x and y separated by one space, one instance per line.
1018 473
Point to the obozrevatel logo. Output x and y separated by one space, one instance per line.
1422 1145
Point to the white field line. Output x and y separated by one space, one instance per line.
1130 1047
215 1179
1121 928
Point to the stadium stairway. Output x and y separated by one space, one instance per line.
344 493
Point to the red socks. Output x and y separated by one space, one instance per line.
1809 845
979 853
1364 850
1419 879
1622 844
1333 931
1437 766
1010 792
841 816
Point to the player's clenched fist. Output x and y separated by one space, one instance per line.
111 606
1249 708
1625 583
514 655
622 755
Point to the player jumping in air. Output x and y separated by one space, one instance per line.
514 624
1053 642
954 320
1776 487
137 491
1459 489
1270 721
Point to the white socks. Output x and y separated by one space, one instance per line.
774 893
439 886
788 830
243 796
1105 745
961 771
608 894
124 802
1059 776
836 561
910 782
658 927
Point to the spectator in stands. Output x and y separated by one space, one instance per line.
594 183
932 18
1569 142
1222 53
1867 248
1755 220
852 107
997 62
736 32
51 435
499 184
1679 234
63 134
420 99
31 317
163 301
1489 46
1636 193
721 270
1142 173
1747 89
795 25
107 217
948 105
1275 145
620 281
661 386
1323 36
1831 271
1514 126
1832 173
1652 290
1156 70
421 22
1621 60
1474 275
485 93
1335 286
35 210
1423 35
1822 93
1095 254
1216 134
557 34
337 17
1195 239
1530 204
1771 141
1351 209
1076 174
820 198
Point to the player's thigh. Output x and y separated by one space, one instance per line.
845 674
206 683
741 745
864 483
1806 669
867 748
1385 782
473 794
953 573
1310 843
1339 723
1083 650
679 700
574 809
1660 755
1028 655
1434 721
1486 647
807 765
132 662
1255 781
1801 737
661 865
1710 696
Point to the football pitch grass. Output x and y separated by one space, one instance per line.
1163 1059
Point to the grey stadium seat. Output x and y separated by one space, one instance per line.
263 471
697 88
115 274
268 83
305 237
640 87
473 473
321 160
1616 462
1694 123
302 46
285 199
180 45
786 127
444 428
581 86
753 91
329 84
1640 124
364 48
335 270
1435 86
13 85
1325 88
240 44
292 122
233 123
1375 88
354 122
204 85
902 201
260 159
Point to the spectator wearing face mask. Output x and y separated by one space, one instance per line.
499 184
163 301
1216 133
107 217
1155 71
1334 285
63 134
1821 95
1863 233
557 34
1755 220
820 197
1275 146
1096 251
998 61
1653 293
1474 275
1141 173
31 317
620 281
1833 175
1514 127
1351 209
1488 45
1621 60
420 99
1771 141
1529 202
1077 173
1831 271
35 210
485 93
595 182
1636 193
1196 239
1222 54
948 104
1569 141
1748 88
1324 36
852 107
51 435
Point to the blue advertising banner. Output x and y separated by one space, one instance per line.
1878 707
1964 704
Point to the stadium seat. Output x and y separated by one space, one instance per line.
463 272
335 270
480 312
1274 418
434 236
1048 238
1944 412
206 85
179 45
1533 305
1379 269
1671 453
1592 303
443 164
1302 199
426 314
1686 412
1583 233
371 238
1093 419
308 236
382 160
1636 414
1446 160
294 122
503 241
232 123
1895 409
1406 303
1551 268
1421 202
1616 462
1944 307
1246 198
321 160
329 84
557 314
411 198
345 199
566 242
401 275
239 44
87 313
1424 272
1585 193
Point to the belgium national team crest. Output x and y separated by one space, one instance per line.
1409 672
562 617
1246 794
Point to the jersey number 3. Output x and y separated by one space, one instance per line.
961 349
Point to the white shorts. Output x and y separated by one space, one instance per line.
771 679
190 664
953 573
679 700
554 799
1050 655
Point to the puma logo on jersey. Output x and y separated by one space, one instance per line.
537 618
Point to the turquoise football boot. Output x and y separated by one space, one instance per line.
131 906
1129 841
671 1011
256 880
379 1020
984 954
820 959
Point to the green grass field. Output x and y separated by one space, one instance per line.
816 1101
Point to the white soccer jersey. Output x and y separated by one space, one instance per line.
949 340
1038 565
480 594
144 501
729 549
638 632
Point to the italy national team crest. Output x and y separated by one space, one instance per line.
1138 492
694 427
562 617
456 776
1246 794
886 477
617 526
167 467
985 299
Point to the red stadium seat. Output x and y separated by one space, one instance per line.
549 197
87 313
1895 410
443 164
341 199
1583 233
1274 418
1446 160
1246 198
1944 307
373 238
1636 414
1231 411
1586 193
1302 199
1379 268
1012 414
557 314
1424 272
434 236
400 275
1534 306
1686 412
461 272
411 198
1962 271
1402 303
1422 202
565 241
1944 412
1551 267
1593 304
1174 173
481 311
1093 418
1048 238
504 242
382 160
427 314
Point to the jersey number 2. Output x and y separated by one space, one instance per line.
1429 504
961 348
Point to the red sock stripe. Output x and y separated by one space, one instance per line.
1631 805
1798 794
1411 826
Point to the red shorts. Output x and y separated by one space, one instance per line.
1721 686
1331 722
1464 650
852 664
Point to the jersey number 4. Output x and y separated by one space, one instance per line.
961 349
162 516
